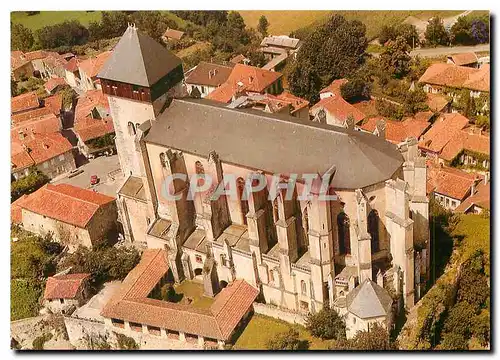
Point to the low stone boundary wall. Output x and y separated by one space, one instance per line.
282 314
80 329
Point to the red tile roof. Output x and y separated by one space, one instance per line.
44 124
30 115
17 59
67 203
72 65
173 34
64 286
398 131
464 58
457 76
16 215
92 66
448 181
88 128
36 55
442 131
54 103
88 101
466 139
35 149
436 102
237 59
481 198
52 83
334 87
339 108
296 102
130 302
24 102
244 78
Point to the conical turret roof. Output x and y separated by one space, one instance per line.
139 60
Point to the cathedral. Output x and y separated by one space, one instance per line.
301 254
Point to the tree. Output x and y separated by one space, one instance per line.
152 23
21 38
459 319
377 338
415 101
333 50
28 184
461 33
395 59
326 324
112 24
409 33
435 33
67 33
480 31
453 341
355 89
263 25
387 33
287 341
481 327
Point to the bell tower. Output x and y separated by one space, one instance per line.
138 78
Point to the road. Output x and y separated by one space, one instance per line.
443 51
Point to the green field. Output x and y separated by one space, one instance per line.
45 18
261 328
283 22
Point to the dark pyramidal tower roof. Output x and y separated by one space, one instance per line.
139 60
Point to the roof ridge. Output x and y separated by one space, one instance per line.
142 273
71 196
230 296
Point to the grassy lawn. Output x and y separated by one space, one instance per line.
45 18
193 290
261 328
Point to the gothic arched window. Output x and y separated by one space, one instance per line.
240 185
131 129
373 220
303 287
162 159
343 224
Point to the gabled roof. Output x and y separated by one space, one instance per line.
44 124
24 102
398 131
53 83
64 286
339 108
298 146
130 302
451 182
464 58
139 60
16 215
466 139
436 102
369 300
209 74
66 203
173 34
54 103
457 76
88 128
481 198
442 131
30 115
93 65
36 55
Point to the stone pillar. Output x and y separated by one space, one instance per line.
182 336
186 267
364 238
126 326
163 333
145 329
285 226
201 341
210 278
221 344
256 220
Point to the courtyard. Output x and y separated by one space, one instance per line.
189 292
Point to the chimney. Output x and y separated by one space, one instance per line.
209 74
380 126
22 135
215 72
45 146
349 123
250 79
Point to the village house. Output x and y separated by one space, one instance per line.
24 102
469 147
37 60
53 65
284 103
398 131
449 186
74 216
289 249
88 70
464 59
332 89
247 80
438 103
479 201
206 77
134 311
51 105
334 110
172 35
54 84
64 293
445 128
239 59
20 67
72 73
273 46
449 79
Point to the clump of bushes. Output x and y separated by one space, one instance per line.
326 324
288 341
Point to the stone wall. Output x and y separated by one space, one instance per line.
282 314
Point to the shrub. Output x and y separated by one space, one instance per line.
326 324
481 327
41 340
98 342
453 341
126 343
24 298
355 89
287 341
31 256
28 184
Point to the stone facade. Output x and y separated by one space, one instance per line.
56 166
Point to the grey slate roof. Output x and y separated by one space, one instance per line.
275 143
139 60
369 300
